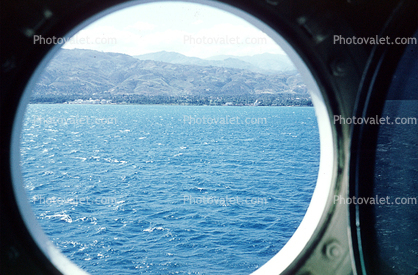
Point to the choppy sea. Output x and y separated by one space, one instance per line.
134 189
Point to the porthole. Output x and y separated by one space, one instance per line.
54 190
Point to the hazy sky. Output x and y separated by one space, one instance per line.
190 29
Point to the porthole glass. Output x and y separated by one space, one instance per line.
396 172
182 144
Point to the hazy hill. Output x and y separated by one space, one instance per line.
87 73
261 63
265 61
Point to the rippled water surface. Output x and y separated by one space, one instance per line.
133 189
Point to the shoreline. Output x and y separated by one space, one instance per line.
184 105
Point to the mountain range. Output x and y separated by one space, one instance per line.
81 73
265 63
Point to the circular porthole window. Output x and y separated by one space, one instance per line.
163 140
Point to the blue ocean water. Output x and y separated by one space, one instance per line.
134 189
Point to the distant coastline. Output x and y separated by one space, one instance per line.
168 78
173 104
184 101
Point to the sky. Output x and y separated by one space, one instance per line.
187 28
